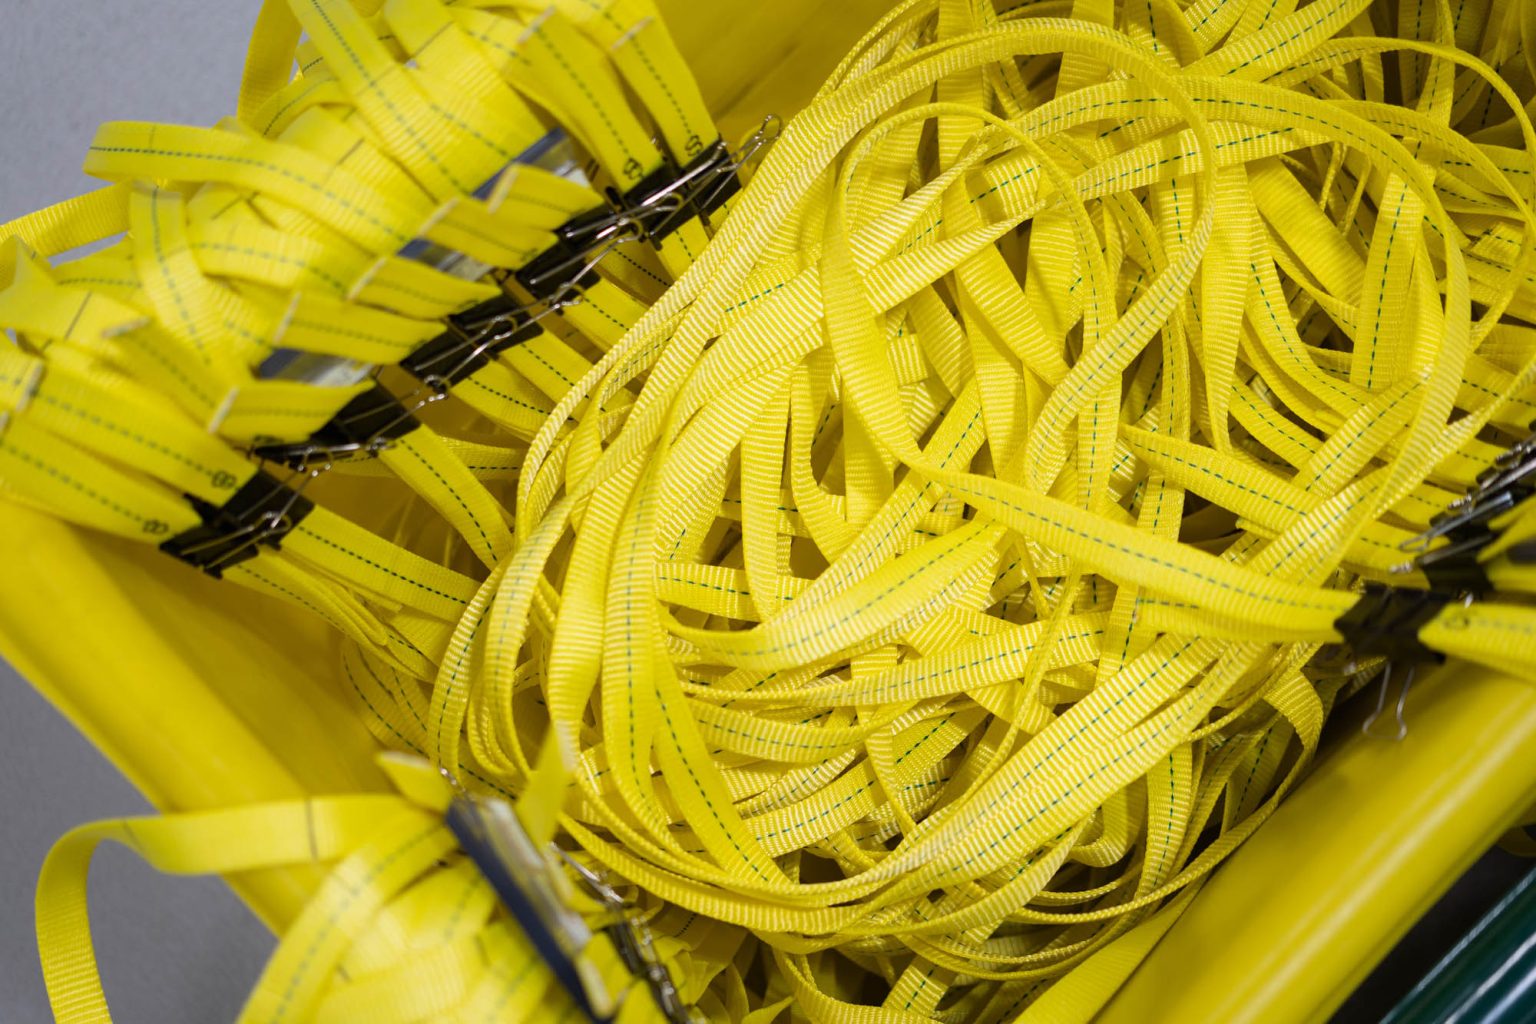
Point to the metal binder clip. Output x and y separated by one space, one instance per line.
475 337
375 419
568 266
1464 525
1384 622
364 427
1512 470
1469 520
1454 567
263 511
670 196
1510 480
728 177
660 203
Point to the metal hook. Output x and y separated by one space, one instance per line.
594 882
636 945
1381 703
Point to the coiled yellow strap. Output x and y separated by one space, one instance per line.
923 593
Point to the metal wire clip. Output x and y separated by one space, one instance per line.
263 511
1464 525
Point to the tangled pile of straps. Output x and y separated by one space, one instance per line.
861 572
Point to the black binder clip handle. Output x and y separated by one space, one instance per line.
557 276
1466 524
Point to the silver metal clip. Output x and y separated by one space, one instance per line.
636 946
262 511
367 425
1465 525
767 133
465 348
1369 728
726 180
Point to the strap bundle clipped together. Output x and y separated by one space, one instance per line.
363 244
908 607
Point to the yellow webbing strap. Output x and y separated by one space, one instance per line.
922 595
73 222
630 531
402 928
178 270
437 138
232 840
